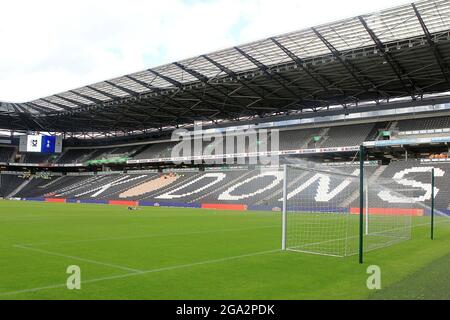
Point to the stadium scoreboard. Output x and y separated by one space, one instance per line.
40 143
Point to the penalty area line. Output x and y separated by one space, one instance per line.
143 272
57 254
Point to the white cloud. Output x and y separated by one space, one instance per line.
49 46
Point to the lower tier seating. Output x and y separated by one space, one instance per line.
400 184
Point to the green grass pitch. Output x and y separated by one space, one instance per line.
171 253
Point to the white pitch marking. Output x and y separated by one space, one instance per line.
144 272
76 258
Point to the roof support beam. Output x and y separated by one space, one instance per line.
79 104
56 104
37 107
141 111
171 81
175 116
92 99
395 66
144 84
265 69
351 69
17 108
166 78
156 89
122 88
205 80
302 65
149 86
195 74
232 74
437 55
29 121
106 94
179 85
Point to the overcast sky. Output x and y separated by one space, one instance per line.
50 46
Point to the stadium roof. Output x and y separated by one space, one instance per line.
398 54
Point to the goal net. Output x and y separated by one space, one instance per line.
322 206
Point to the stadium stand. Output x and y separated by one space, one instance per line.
289 139
8 183
153 184
75 155
123 183
6 153
35 188
307 83
413 178
102 153
424 124
36 158
108 153
340 137
156 150
252 187
248 188
297 139
193 186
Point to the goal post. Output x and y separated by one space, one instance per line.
316 215
361 205
432 205
344 210
284 215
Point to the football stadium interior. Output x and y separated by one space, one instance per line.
356 114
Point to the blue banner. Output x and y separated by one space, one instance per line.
48 144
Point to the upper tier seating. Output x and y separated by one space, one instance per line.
6 154
75 156
296 139
350 135
424 124
289 139
156 150
37 157
83 155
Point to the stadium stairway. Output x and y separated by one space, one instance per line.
323 137
80 185
374 133
19 188
393 128
52 182
355 195
12 158
61 155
